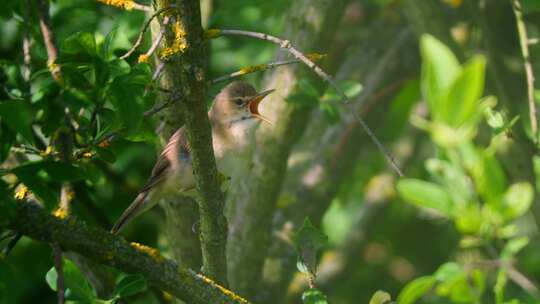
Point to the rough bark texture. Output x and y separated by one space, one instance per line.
30 219
252 201
186 74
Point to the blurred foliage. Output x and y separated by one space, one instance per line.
460 228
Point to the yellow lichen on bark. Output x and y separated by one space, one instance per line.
211 33
179 44
22 193
224 290
60 213
143 58
154 253
124 4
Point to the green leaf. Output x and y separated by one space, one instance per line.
426 195
56 171
77 288
513 247
447 271
517 200
461 103
351 88
314 296
126 95
490 179
130 285
380 297
81 42
18 116
330 112
439 70
308 241
415 290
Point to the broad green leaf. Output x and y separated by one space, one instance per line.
308 241
351 88
447 271
425 194
313 296
17 115
415 289
380 297
453 178
56 171
126 95
490 179
469 218
130 285
500 283
517 200
81 42
461 103
439 70
77 288
8 137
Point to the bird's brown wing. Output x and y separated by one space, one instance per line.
176 149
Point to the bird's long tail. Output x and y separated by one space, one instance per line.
136 208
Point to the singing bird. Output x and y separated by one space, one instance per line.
233 117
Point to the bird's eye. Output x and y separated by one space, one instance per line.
238 102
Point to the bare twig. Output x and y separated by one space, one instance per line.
252 69
58 265
143 31
159 37
524 42
522 281
48 39
27 59
286 45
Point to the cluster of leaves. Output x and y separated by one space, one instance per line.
77 288
469 185
100 96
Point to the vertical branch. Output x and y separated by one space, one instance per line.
185 72
48 39
252 201
524 43
27 59
58 265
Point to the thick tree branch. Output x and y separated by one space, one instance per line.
30 219
185 74
252 199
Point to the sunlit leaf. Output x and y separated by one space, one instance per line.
415 289
461 103
425 194
313 296
380 297
517 200
439 70
16 114
77 288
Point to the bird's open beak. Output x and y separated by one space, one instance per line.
253 106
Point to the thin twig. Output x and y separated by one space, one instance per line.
249 70
524 42
27 59
143 31
48 39
286 45
159 37
522 281
58 265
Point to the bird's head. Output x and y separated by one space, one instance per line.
238 102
